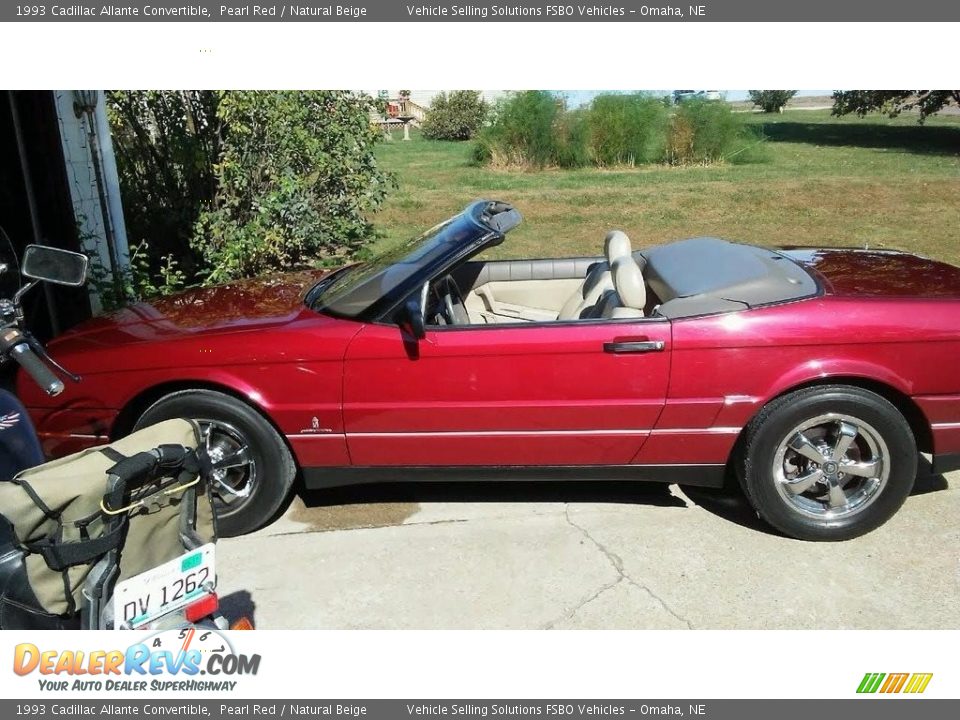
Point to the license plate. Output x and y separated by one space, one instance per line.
143 598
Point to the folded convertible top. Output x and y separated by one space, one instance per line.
705 275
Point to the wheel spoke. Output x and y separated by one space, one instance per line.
227 492
799 443
836 497
236 459
232 463
848 433
869 469
803 483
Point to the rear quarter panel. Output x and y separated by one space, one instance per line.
726 367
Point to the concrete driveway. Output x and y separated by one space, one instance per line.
585 555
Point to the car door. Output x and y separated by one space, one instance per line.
554 394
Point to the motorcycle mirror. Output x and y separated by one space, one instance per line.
61 267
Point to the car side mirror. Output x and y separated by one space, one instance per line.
54 265
414 310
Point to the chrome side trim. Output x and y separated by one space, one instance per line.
697 431
945 426
497 433
524 433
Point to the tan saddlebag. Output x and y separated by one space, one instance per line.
145 499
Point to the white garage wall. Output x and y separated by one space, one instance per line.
81 177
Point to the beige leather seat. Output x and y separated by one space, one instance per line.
629 296
599 280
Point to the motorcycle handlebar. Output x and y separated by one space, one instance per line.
162 460
36 369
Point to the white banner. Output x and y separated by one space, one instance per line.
489 664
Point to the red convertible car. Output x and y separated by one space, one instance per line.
816 375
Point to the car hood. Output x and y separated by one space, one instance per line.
885 273
234 307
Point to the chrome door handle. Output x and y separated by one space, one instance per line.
638 346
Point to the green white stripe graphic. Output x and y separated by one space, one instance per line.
871 682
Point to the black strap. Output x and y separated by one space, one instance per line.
111 454
37 500
196 462
60 555
68 593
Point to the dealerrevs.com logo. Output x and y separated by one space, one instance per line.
910 683
183 659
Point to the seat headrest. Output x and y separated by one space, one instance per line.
616 245
628 282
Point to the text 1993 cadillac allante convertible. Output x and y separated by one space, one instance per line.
816 375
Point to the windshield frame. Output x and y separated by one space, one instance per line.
484 223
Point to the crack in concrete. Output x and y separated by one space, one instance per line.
617 563
582 604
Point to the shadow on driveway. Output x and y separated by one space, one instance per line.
730 504
389 504
386 504
237 605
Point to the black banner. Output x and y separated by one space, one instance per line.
507 11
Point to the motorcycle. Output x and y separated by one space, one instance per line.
117 537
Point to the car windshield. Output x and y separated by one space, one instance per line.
355 290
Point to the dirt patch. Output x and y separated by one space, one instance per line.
324 518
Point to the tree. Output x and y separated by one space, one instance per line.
218 185
771 100
166 143
296 178
456 116
893 102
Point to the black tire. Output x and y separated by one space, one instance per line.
273 468
795 515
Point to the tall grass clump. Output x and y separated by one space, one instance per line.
627 129
572 136
524 131
704 132
533 129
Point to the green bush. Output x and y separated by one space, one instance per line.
627 129
166 143
532 130
572 139
147 275
522 132
771 100
456 116
704 132
233 184
295 180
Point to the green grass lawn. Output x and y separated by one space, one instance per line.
877 182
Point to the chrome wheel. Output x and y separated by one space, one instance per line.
831 466
234 469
